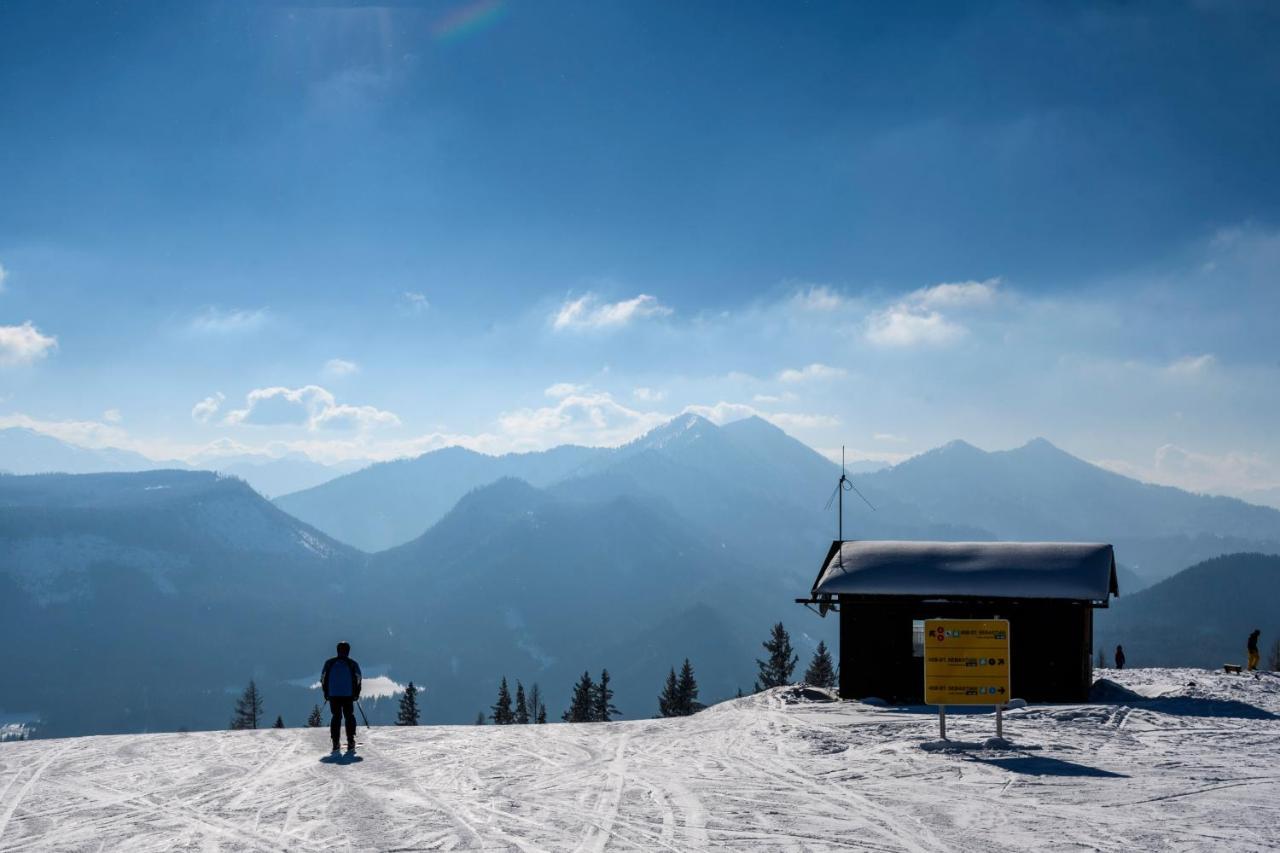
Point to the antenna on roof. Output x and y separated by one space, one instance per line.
844 485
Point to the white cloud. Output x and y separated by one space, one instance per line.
800 420
648 395
890 437
956 294
353 417
724 412
1191 366
203 411
592 419
414 302
1233 472
79 433
811 372
588 312
340 367
818 298
903 326
915 320
563 389
218 321
112 416
310 406
24 344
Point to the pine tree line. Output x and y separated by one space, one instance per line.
527 709
591 702
679 696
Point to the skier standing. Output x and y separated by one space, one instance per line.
1253 649
340 682
1119 657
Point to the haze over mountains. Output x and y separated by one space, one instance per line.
160 593
25 451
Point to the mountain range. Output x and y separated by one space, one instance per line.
160 593
1199 617
25 451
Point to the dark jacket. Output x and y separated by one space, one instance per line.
1119 658
340 678
1253 641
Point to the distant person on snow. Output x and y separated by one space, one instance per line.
1253 649
1119 657
340 682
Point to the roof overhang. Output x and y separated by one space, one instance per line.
1072 571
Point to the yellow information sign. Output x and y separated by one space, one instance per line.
966 661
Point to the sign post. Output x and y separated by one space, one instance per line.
966 662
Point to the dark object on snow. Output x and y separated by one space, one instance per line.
279 722
1253 649
1108 692
1232 667
1120 657
340 681
885 590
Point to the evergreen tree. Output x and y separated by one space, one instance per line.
502 715
822 670
522 707
536 707
668 699
480 718
248 708
279 722
776 671
408 713
1273 658
313 720
739 696
580 705
687 691
602 710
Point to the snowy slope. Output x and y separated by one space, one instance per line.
1167 766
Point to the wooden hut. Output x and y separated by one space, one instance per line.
883 592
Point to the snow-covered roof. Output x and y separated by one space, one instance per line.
1066 570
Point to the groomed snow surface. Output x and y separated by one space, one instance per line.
1173 759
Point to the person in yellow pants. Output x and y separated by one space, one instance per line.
1253 649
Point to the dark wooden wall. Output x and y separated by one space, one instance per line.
1051 646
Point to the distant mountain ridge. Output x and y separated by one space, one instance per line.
750 480
1039 491
690 540
151 591
25 451
1199 617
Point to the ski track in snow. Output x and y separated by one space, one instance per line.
1181 767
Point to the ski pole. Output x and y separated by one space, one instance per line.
361 707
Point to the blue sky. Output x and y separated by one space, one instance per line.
372 230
